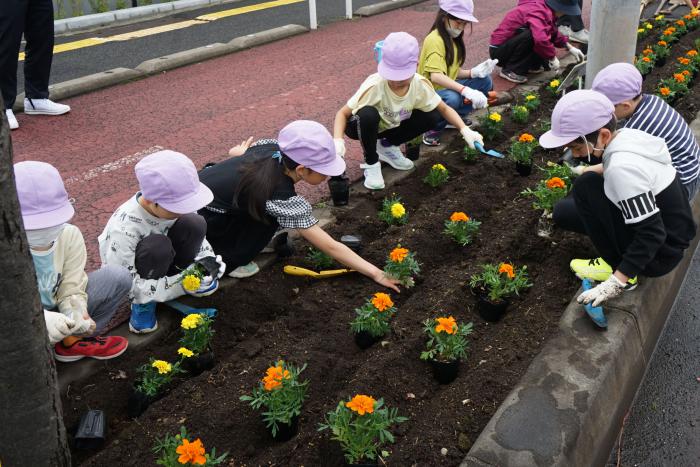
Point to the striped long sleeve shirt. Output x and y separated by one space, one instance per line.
657 118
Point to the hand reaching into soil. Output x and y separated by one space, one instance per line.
240 149
387 282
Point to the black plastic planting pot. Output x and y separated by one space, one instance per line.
490 311
364 339
660 62
445 372
287 431
340 189
92 430
523 169
138 402
197 364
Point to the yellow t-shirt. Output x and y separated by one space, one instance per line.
393 109
432 58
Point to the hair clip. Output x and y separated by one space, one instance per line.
277 155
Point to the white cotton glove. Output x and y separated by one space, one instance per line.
605 290
471 136
484 69
479 100
222 266
578 170
576 52
339 147
58 326
554 64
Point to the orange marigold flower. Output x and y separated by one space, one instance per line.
397 255
692 53
507 269
459 217
646 59
688 17
671 29
274 376
361 404
191 452
647 51
662 43
555 182
665 91
679 77
382 301
526 138
686 72
683 60
448 325
680 22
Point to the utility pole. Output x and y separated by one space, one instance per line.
613 35
32 430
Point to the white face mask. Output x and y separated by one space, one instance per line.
41 238
588 151
453 32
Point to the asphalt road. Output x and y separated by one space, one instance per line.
663 426
89 60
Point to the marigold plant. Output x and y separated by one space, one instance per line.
447 340
521 150
281 393
500 281
661 50
374 316
154 375
437 176
319 260
461 228
531 101
519 113
491 125
553 86
644 64
402 266
678 85
361 426
197 332
547 193
393 212
178 450
470 155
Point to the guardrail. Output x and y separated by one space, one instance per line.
313 19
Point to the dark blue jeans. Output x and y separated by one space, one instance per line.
455 99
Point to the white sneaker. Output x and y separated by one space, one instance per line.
44 107
393 156
579 36
565 31
373 176
244 271
11 119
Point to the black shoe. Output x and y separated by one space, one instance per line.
513 77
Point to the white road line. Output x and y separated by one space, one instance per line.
112 166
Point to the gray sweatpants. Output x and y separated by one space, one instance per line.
107 289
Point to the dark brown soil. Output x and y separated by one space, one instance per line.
271 316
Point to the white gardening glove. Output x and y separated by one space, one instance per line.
222 266
578 170
58 326
471 136
554 64
479 100
576 52
339 147
605 290
484 69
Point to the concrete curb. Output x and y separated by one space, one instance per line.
382 7
568 408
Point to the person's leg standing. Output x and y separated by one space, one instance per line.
12 14
39 34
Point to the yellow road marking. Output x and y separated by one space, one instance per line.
203 19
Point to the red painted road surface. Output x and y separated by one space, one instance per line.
204 109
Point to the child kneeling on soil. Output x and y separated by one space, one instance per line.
77 306
254 195
393 106
622 84
633 208
157 235
441 59
525 40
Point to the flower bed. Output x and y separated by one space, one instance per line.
272 317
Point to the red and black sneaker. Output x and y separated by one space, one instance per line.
100 348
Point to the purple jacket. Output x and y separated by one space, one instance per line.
536 15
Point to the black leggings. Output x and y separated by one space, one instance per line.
516 54
364 126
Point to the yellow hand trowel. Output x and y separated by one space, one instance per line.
297 271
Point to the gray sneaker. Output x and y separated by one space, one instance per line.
513 77
244 271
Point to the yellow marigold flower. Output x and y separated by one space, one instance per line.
191 453
459 217
438 167
507 269
554 83
397 255
447 325
191 321
185 352
530 97
162 366
361 404
526 138
665 91
555 182
648 25
495 116
191 282
397 210
640 30
382 301
659 18
692 53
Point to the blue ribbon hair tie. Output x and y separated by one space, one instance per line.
277 155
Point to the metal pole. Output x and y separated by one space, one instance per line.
613 35
348 9
313 24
